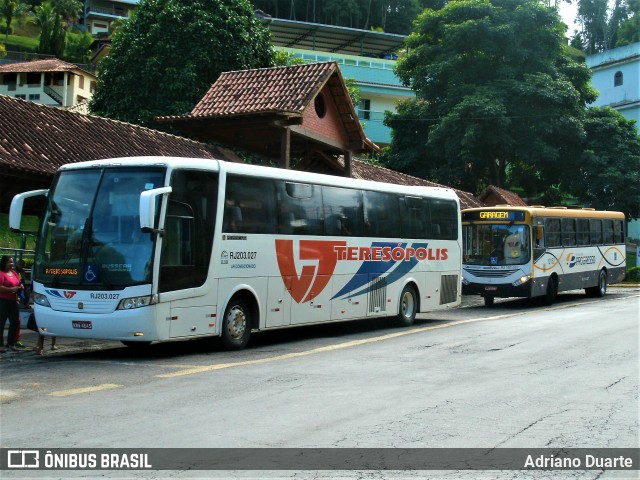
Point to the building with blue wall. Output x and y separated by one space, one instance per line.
365 56
616 76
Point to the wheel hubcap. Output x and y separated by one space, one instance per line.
236 322
407 304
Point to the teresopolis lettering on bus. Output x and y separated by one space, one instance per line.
396 259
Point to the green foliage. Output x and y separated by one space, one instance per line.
498 98
165 58
608 173
10 9
8 239
354 90
69 10
603 22
633 275
282 58
78 47
629 31
393 16
28 44
3 50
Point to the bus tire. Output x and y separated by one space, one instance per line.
489 300
552 291
408 307
236 324
599 290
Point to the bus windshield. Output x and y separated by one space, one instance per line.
496 244
90 235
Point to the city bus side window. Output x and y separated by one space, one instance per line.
568 232
343 214
582 235
595 227
607 231
250 205
413 214
300 209
618 231
552 232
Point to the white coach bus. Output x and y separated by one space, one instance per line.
155 248
538 252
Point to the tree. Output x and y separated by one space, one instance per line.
608 176
69 10
78 47
10 9
165 58
629 31
498 98
600 22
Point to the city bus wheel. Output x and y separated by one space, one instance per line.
136 346
408 307
488 301
601 289
552 291
236 325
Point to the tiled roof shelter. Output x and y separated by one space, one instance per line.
493 195
301 111
46 65
35 140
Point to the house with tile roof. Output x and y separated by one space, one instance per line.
302 113
366 56
49 82
30 154
36 140
493 195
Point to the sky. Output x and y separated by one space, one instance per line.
568 14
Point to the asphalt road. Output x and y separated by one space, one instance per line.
515 375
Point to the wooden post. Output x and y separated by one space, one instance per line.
348 161
285 148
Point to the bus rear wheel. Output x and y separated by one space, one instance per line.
408 307
599 290
236 325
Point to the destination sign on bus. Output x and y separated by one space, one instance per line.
493 215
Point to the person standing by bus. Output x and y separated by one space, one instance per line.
9 287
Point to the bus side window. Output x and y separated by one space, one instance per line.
568 232
595 230
582 234
552 232
607 231
618 231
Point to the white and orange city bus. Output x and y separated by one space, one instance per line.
156 248
538 251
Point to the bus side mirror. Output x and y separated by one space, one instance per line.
538 232
148 207
15 211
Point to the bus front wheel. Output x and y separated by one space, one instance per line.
408 307
488 301
236 326
552 291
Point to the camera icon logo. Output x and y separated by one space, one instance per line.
23 459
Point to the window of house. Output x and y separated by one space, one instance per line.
33 79
364 109
22 96
34 96
617 79
80 81
321 108
92 87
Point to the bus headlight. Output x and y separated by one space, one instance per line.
41 300
522 280
137 302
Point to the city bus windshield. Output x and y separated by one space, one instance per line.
90 235
496 244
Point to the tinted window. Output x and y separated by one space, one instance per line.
582 232
414 217
342 212
444 220
189 224
552 232
618 231
568 232
607 231
299 209
382 216
250 205
595 230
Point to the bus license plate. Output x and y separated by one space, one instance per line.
490 289
83 325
